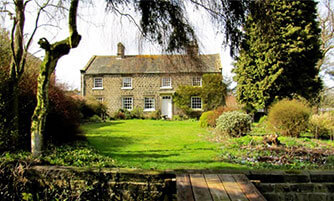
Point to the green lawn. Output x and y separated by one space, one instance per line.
156 144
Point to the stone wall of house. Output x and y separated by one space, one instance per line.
143 85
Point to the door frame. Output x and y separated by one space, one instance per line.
171 105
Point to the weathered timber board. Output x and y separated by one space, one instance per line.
183 188
200 187
248 188
216 188
233 189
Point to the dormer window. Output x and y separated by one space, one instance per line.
197 81
98 83
166 82
127 83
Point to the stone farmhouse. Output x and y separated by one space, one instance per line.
146 81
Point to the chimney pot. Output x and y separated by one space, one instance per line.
120 50
192 49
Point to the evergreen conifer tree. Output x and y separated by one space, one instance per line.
278 59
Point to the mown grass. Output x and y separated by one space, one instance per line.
160 145
179 145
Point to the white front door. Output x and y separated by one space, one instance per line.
166 106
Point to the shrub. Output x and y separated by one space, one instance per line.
95 119
289 117
203 120
177 118
119 115
212 118
234 124
153 115
322 125
137 113
63 120
90 107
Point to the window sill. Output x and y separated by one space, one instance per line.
149 110
197 109
166 87
97 88
126 88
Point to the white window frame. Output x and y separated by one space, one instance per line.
196 82
164 82
95 83
123 104
152 103
193 97
125 81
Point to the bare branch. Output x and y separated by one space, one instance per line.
12 41
127 16
25 3
25 51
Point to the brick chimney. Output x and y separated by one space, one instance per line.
120 50
192 49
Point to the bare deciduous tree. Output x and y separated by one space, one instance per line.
53 52
326 21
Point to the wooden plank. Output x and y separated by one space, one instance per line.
200 187
216 188
232 188
183 188
248 188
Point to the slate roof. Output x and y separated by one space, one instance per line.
139 64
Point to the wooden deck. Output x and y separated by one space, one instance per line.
216 187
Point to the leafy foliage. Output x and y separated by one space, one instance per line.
212 92
289 117
234 124
166 22
5 51
216 113
277 59
293 153
182 97
322 125
90 106
63 120
203 120
137 113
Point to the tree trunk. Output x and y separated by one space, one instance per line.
17 49
53 52
41 109
14 110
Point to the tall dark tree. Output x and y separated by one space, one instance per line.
278 59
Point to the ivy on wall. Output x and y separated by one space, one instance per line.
213 93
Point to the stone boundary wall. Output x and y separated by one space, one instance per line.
73 183
302 186
106 184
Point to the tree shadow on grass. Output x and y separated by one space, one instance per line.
103 124
141 155
113 142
